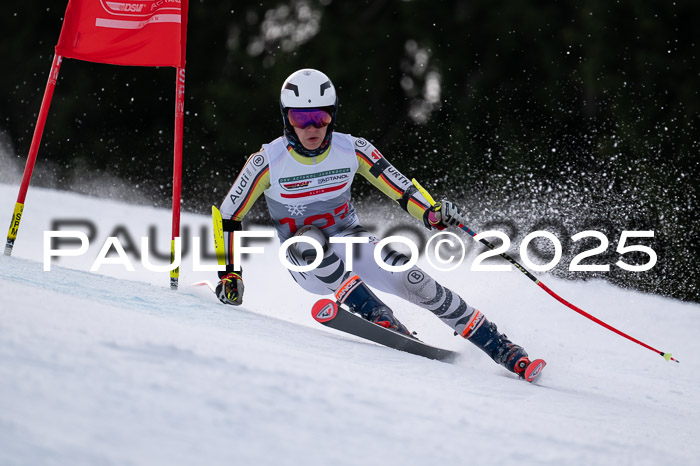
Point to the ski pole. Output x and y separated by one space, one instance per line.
666 356
218 235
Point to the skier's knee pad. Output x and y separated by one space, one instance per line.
304 251
419 285
423 290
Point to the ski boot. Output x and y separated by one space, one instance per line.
485 335
360 299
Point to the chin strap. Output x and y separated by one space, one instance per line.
299 147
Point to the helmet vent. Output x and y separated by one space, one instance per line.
295 88
324 86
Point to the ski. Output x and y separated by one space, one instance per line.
206 283
330 314
533 370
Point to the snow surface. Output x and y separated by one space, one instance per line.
115 368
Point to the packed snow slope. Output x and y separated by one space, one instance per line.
113 368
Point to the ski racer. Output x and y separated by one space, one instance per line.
306 175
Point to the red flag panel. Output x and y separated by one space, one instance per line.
139 32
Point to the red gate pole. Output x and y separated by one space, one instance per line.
33 150
177 170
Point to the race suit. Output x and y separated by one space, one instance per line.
315 191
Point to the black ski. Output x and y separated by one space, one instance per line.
330 314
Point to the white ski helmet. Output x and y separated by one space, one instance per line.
308 88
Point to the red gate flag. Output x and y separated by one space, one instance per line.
126 32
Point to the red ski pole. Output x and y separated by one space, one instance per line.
666 356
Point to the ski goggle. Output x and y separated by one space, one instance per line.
303 117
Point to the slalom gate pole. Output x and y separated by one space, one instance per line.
666 356
177 170
33 151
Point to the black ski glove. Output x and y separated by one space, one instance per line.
441 215
230 289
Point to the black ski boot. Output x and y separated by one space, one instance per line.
360 299
485 335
